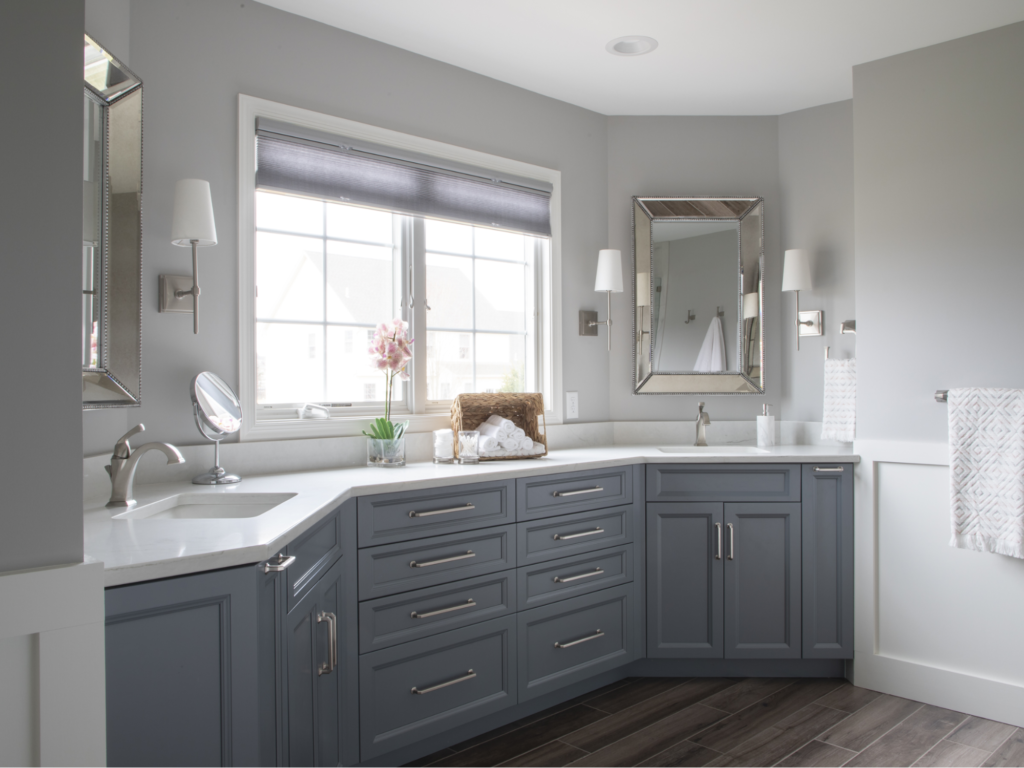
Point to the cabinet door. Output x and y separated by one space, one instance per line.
684 580
762 581
827 523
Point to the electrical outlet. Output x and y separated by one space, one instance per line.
572 405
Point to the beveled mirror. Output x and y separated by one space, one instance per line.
111 232
698 295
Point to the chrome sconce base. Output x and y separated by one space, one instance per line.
812 323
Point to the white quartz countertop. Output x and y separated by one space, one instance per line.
146 549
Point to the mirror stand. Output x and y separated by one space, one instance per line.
217 474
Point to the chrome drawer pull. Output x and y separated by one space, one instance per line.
468 604
597 633
828 469
470 674
718 536
566 537
567 579
577 493
463 508
469 553
281 564
732 541
332 642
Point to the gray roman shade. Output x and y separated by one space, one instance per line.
306 162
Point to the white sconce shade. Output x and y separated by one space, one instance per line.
609 271
193 214
796 271
751 305
643 289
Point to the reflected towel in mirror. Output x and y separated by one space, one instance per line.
711 357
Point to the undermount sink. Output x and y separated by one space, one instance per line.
741 450
207 506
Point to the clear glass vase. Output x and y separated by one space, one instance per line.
385 453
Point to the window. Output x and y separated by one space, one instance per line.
325 267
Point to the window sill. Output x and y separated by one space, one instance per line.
296 429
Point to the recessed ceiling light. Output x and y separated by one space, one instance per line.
631 45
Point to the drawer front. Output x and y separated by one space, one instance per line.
545 583
401 567
314 552
575 639
575 492
543 540
421 688
414 514
398 619
723 482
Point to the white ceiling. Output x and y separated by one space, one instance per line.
715 57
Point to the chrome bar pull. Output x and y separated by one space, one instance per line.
461 606
577 493
941 395
828 469
433 512
577 577
567 536
280 564
718 537
732 541
597 633
470 674
428 563
332 642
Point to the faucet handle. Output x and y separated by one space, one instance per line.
122 450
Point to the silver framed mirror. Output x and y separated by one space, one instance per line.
218 414
698 295
111 232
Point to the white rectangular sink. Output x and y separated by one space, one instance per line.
715 450
207 506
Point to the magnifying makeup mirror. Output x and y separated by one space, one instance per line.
218 414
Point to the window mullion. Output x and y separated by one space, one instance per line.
416 264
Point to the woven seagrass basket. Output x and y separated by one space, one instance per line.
525 410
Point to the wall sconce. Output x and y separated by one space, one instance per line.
796 276
609 280
643 302
193 225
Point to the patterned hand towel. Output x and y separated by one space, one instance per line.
986 469
840 412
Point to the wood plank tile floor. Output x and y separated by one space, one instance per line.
741 722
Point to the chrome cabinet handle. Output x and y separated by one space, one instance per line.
718 536
567 579
428 563
732 541
281 564
567 536
828 469
470 674
332 641
461 606
463 508
577 493
597 633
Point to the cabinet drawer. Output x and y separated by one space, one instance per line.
723 482
575 639
314 552
545 583
414 514
398 619
410 565
421 688
543 540
575 492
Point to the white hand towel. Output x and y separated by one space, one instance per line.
491 431
839 420
986 469
504 426
537 448
711 357
498 451
509 444
486 444
517 432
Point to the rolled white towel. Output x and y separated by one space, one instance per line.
496 451
509 444
537 449
525 443
491 431
517 432
504 426
486 444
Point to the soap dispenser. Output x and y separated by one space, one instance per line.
765 428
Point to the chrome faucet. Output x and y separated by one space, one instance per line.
703 420
124 461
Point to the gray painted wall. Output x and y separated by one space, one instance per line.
939 162
816 182
41 221
689 156
108 23
196 56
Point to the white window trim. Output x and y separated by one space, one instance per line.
249 108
